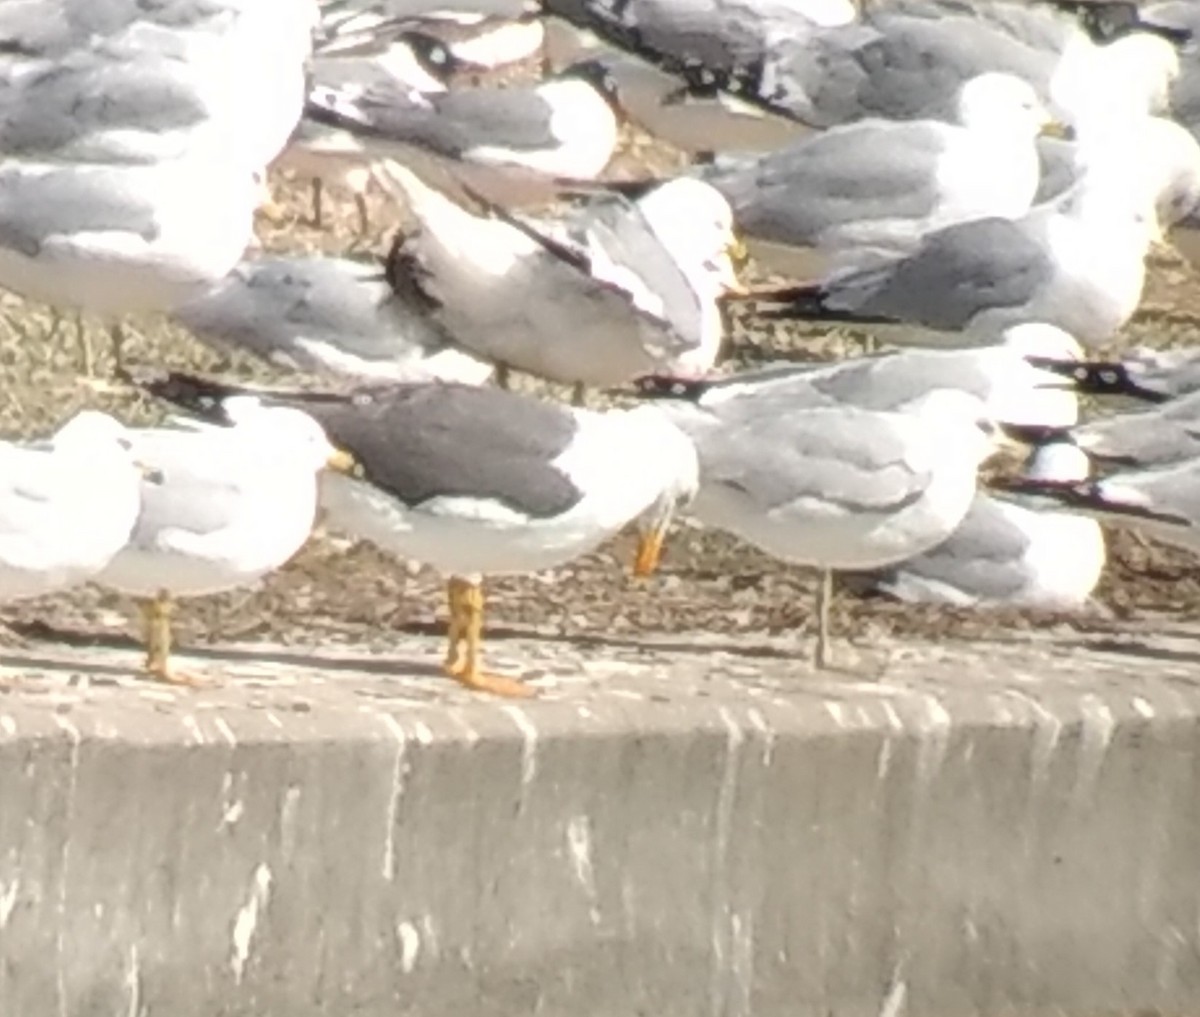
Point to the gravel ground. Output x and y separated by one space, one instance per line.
334 593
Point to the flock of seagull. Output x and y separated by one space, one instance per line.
977 184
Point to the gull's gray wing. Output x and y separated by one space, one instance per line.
277 306
956 273
983 558
450 124
196 489
421 442
1165 435
900 66
849 460
32 210
1174 373
60 109
405 11
871 170
621 229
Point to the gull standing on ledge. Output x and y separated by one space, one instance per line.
835 487
224 506
479 482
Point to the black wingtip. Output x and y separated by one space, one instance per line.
202 397
664 386
1084 495
569 187
1037 434
1105 21
1099 378
808 303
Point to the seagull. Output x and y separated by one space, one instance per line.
117 118
1161 502
596 300
410 61
1160 156
1143 373
884 184
318 313
480 481
1011 552
686 115
223 506
903 60
1078 263
1015 391
835 487
67 505
118 240
510 145
1167 434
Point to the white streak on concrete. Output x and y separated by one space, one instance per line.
133 982
245 923
399 780
1142 707
422 733
410 945
721 931
935 735
579 845
742 965
226 732
64 865
759 723
429 931
8 724
893 1002
893 718
273 719
1095 736
287 820
470 735
8 901
233 813
836 712
1047 731
529 740
193 728
884 762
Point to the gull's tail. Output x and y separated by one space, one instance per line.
1099 378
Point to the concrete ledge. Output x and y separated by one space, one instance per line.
713 830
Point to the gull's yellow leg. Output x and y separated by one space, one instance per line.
456 629
470 673
156 621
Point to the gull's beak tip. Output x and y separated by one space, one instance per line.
340 461
1057 129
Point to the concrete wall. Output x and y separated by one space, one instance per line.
989 830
